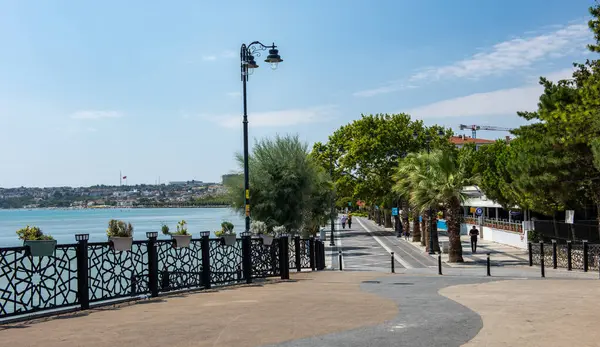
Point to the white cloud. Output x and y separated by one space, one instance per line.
95 114
228 54
512 55
281 118
497 103
225 55
209 57
234 94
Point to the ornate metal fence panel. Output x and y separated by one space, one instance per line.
114 274
305 253
535 252
562 255
225 262
179 268
577 256
548 255
292 253
593 256
265 259
30 284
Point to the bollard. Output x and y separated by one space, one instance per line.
392 258
554 255
585 256
542 258
489 273
439 264
569 263
340 260
530 248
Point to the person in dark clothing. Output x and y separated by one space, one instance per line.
474 233
349 221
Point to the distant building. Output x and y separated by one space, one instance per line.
461 140
186 183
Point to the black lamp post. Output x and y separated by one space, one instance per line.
428 139
248 64
331 241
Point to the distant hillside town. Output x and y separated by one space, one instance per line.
174 194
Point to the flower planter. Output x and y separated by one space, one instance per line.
40 248
229 240
120 243
267 239
182 241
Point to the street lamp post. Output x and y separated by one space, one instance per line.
331 241
247 66
428 139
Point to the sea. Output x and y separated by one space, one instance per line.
63 224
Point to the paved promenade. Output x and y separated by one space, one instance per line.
364 305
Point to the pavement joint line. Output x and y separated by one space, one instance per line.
398 259
408 253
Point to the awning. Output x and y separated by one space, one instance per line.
478 202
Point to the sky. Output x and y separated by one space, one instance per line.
152 89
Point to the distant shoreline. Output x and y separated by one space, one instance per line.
113 207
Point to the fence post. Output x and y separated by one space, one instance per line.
585 256
569 259
284 257
311 250
392 262
297 253
319 259
83 290
489 265
205 247
439 264
247 256
554 255
542 259
340 260
530 248
152 264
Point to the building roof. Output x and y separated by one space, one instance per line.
462 139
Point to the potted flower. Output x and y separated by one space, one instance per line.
260 228
38 244
226 233
120 235
181 236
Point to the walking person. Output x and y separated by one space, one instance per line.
474 233
349 221
343 220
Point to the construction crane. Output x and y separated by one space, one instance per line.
475 127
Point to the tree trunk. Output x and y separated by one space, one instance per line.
388 218
435 236
404 218
453 220
425 232
416 233
555 224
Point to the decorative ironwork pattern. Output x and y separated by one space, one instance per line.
114 274
225 262
30 284
179 268
265 259
561 253
305 253
593 256
577 256
548 255
292 251
535 252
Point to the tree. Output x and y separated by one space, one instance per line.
287 187
365 153
436 181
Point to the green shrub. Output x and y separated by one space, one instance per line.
32 234
118 228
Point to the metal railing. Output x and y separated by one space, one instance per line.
92 273
570 255
501 224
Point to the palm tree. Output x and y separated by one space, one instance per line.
406 177
436 181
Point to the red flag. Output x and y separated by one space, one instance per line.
124 177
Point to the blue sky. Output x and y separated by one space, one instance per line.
152 88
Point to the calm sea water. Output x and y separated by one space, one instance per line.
64 224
